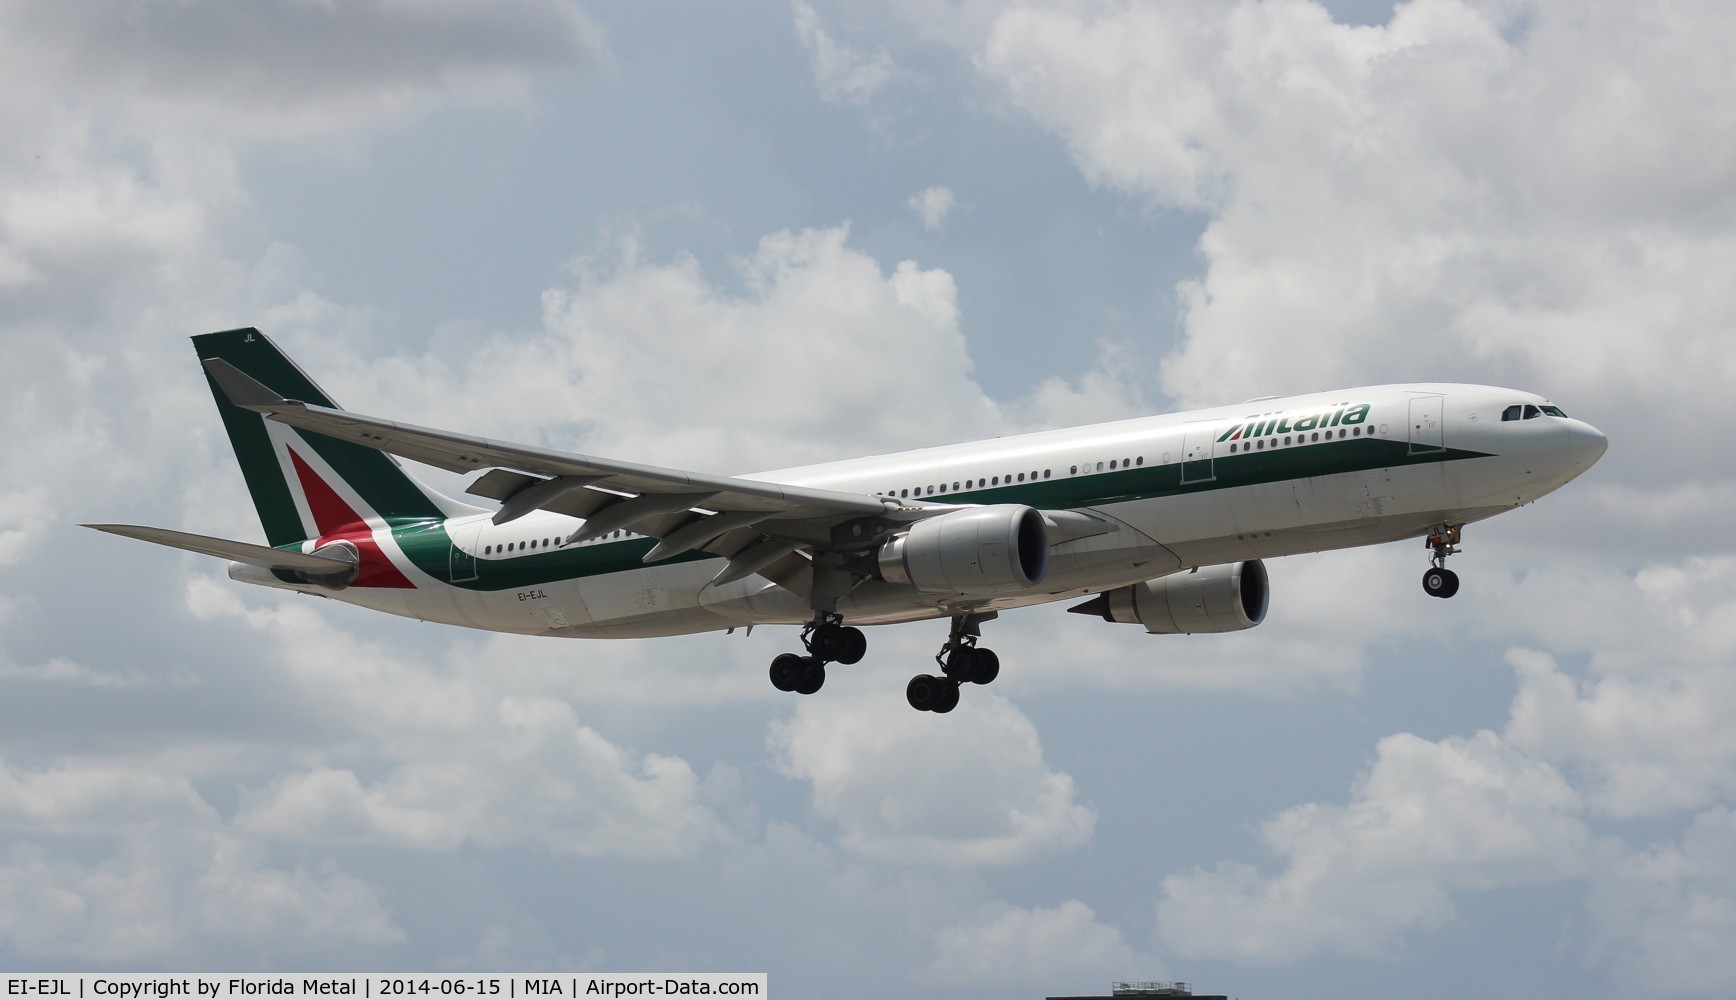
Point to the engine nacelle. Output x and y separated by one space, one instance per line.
1209 599
978 552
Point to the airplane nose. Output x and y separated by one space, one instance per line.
1588 445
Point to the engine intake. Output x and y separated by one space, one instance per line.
977 552
1226 598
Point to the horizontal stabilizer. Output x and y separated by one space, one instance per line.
243 552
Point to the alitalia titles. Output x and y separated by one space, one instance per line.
1279 422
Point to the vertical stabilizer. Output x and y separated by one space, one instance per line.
306 485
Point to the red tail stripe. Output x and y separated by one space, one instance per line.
336 519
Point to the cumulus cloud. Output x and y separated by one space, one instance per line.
1526 187
843 75
1428 818
1033 948
901 789
1645 722
815 352
196 898
932 205
1666 913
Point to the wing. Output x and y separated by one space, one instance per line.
684 510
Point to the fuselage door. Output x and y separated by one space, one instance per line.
463 564
1426 424
1196 452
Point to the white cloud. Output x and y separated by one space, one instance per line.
932 205
969 788
181 897
821 354
1428 819
1039 948
1666 915
99 798
1469 191
842 74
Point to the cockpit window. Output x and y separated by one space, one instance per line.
1554 411
1511 412
1532 412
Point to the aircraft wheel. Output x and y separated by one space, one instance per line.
987 666
1441 583
923 691
855 645
813 675
961 663
828 641
947 700
787 671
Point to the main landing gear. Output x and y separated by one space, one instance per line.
1443 541
961 661
827 640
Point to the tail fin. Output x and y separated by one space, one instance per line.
306 485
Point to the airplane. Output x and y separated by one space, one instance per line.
1158 521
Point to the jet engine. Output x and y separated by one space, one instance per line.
1225 598
976 552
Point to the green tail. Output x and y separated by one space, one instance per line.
306 484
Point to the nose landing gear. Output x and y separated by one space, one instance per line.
1443 541
827 640
961 662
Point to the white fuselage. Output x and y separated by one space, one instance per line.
1207 487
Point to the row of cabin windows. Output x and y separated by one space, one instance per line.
1299 439
546 543
977 484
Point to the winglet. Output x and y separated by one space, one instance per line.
243 389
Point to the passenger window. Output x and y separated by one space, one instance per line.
1232 448
488 550
1074 471
955 487
1286 439
1261 444
1139 461
1099 466
1021 477
1112 465
1045 473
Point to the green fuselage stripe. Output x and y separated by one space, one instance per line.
429 545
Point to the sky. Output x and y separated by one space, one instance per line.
748 236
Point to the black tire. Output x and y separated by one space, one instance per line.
828 642
922 691
1441 583
947 700
855 646
787 671
961 663
987 666
813 676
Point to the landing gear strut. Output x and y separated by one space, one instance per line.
1443 541
827 640
961 661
